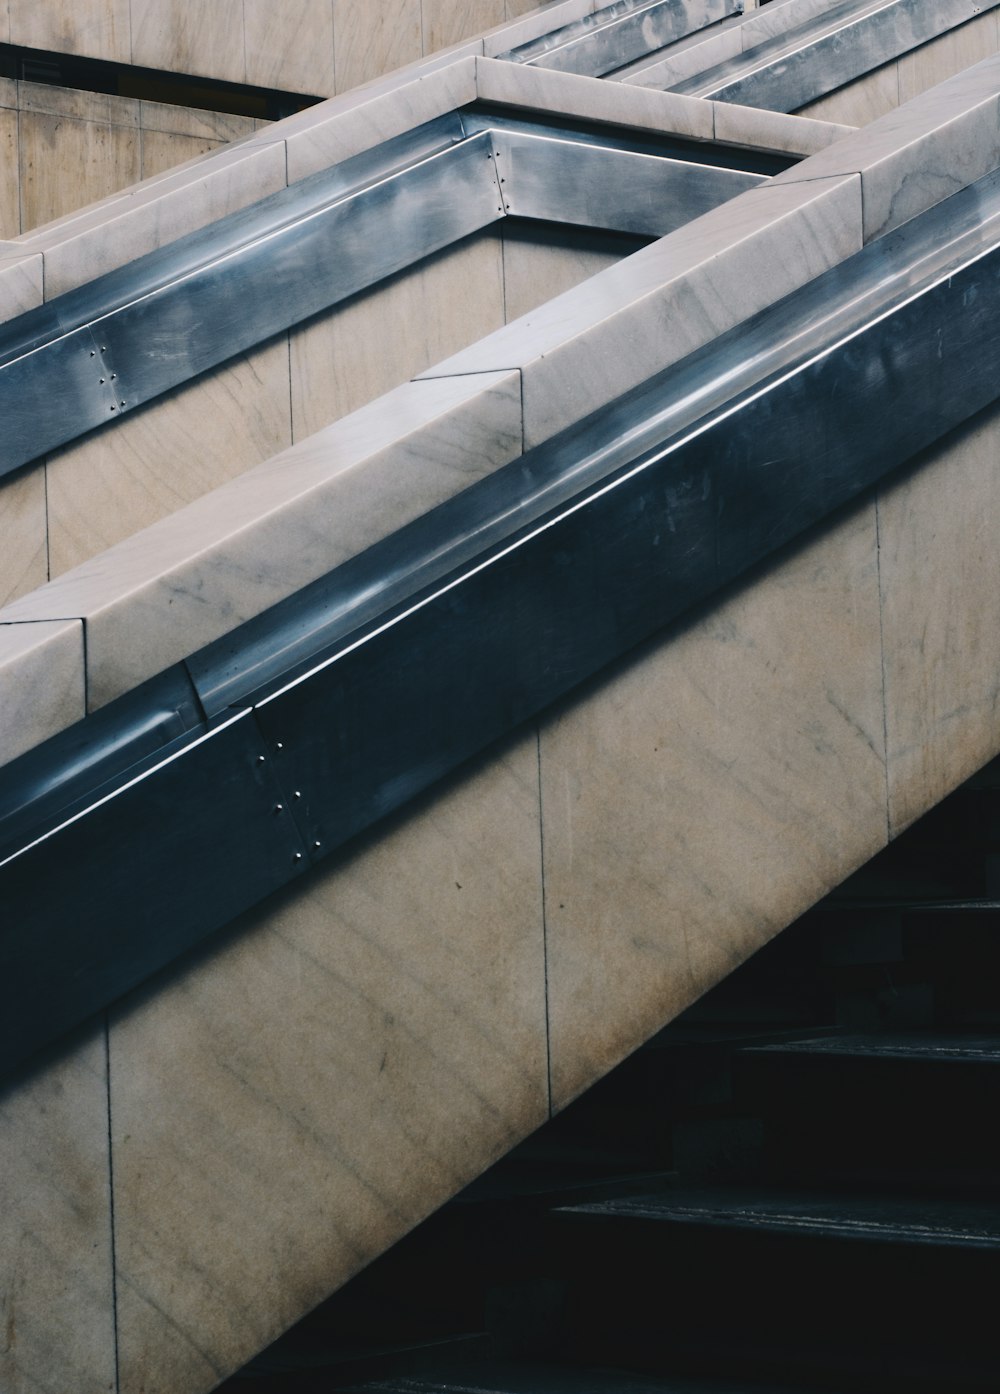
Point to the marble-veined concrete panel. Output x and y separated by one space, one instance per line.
91 28
160 457
67 163
42 688
23 523
163 593
949 54
772 130
941 615
915 157
593 99
56 1295
539 262
859 102
588 346
181 37
370 40
381 338
705 793
10 204
290 45
356 1052
162 150
445 23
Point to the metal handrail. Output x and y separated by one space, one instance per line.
89 357
132 837
619 34
826 52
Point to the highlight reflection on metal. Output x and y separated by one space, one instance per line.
601 43
842 44
90 356
127 840
542 180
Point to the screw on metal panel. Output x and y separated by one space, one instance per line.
102 379
104 348
121 404
261 759
114 408
317 846
113 376
279 808
297 857
93 353
297 794
279 745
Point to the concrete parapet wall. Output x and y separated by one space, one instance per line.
317 47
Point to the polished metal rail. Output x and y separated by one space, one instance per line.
88 357
618 35
128 839
827 52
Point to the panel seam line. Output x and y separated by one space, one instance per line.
545 930
111 1200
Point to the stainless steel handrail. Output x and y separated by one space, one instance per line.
87 358
619 34
824 53
259 756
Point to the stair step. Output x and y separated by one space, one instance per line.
924 1048
876 1291
308 1361
859 931
917 1108
502 1377
890 1219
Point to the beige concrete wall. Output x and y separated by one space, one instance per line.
56 1299
897 82
61 149
319 47
285 1105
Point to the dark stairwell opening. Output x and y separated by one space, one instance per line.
792 1187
